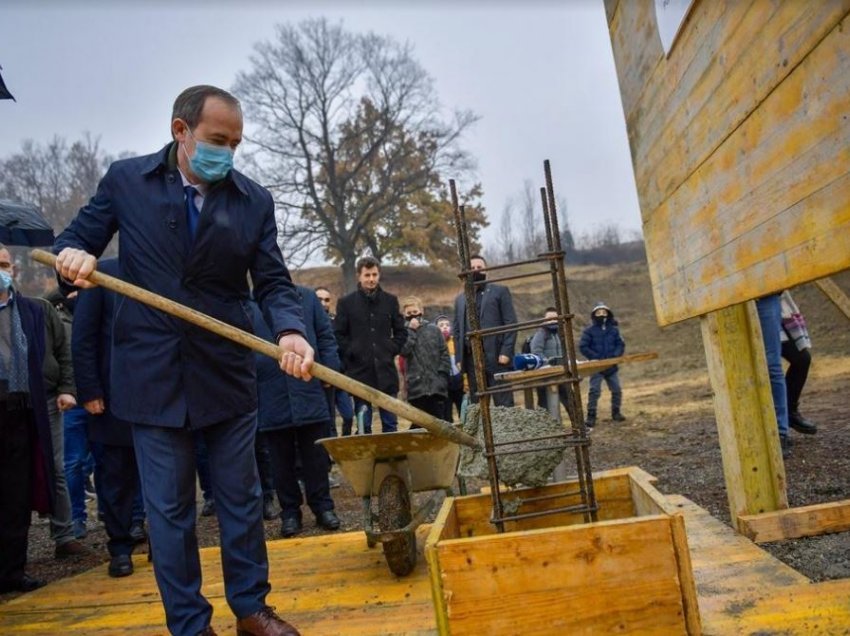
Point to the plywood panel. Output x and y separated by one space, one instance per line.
740 146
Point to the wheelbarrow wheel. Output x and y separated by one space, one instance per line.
393 514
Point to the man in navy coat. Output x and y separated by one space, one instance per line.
495 309
192 229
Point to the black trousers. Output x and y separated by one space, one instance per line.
499 399
118 483
16 447
285 444
797 373
432 404
455 400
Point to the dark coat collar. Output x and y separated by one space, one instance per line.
166 159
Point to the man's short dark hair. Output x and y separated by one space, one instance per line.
190 103
479 257
367 262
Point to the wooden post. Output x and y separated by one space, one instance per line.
746 421
834 293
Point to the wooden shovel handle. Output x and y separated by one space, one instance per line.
427 421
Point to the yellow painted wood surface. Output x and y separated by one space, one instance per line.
608 577
333 584
740 145
793 523
743 405
832 291
613 496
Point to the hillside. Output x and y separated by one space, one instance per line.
626 289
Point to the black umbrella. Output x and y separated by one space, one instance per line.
4 92
22 224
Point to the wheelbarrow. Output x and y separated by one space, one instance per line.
391 466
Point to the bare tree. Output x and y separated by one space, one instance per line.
347 135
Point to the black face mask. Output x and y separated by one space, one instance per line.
599 320
479 276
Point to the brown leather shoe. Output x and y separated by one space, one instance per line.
70 549
265 623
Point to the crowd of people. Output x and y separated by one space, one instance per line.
157 404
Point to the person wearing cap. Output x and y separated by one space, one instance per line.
599 341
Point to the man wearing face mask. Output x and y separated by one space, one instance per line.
26 450
546 343
495 309
601 340
191 228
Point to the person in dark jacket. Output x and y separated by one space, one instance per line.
61 396
294 414
495 309
601 340
546 343
339 399
427 362
118 478
370 332
26 452
191 228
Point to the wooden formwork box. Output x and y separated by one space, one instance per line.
629 572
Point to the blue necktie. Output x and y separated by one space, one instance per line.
192 211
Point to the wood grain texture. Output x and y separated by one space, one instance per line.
832 291
741 146
793 523
743 405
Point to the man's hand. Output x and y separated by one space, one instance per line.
504 359
65 401
413 324
296 357
95 407
75 266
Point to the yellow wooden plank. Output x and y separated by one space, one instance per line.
835 294
799 610
746 421
804 521
687 584
610 576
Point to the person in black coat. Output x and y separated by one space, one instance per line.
112 438
601 340
371 332
293 414
495 309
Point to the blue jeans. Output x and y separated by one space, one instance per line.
770 317
612 379
76 457
389 422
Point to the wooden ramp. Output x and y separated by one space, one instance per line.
334 584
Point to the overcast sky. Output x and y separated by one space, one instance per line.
540 75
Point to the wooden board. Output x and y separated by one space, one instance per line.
607 577
740 145
793 523
832 291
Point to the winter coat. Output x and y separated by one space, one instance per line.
173 372
428 362
91 342
546 344
599 342
58 370
41 459
495 309
285 401
370 331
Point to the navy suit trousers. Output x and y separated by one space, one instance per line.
166 458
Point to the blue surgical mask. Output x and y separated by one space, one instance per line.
210 162
5 279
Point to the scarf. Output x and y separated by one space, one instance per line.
15 371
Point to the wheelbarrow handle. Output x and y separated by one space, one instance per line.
427 421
